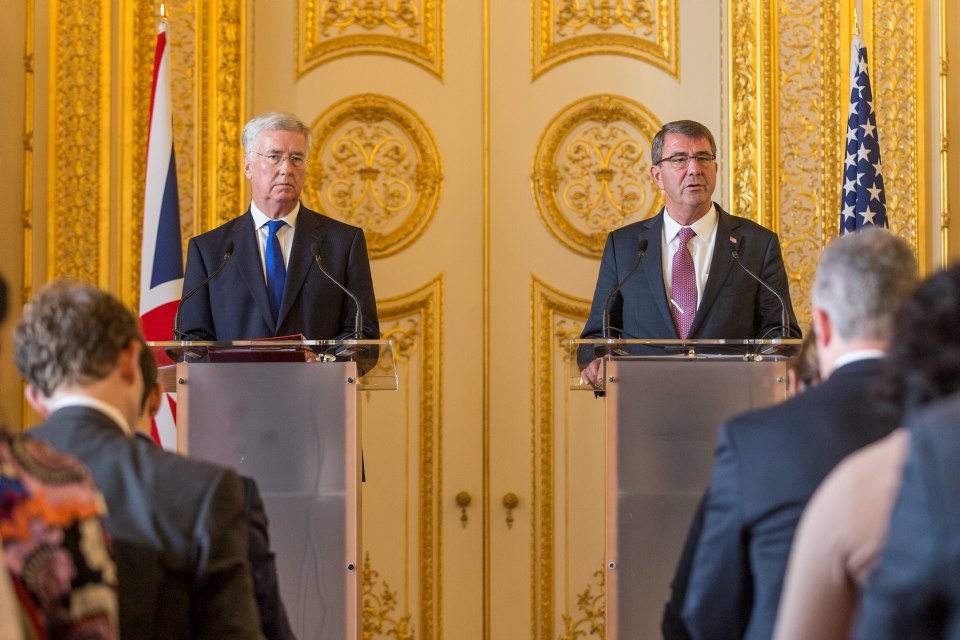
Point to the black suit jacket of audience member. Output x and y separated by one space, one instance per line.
769 462
178 530
234 305
734 305
273 615
914 591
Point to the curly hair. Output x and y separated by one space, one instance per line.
923 362
71 333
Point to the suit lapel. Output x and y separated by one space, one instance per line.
251 267
720 266
301 260
652 231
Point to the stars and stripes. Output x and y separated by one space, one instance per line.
864 201
161 266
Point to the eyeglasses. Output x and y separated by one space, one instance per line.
297 160
680 161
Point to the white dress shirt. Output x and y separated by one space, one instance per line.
284 235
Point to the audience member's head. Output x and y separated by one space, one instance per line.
923 363
804 371
862 280
74 338
152 390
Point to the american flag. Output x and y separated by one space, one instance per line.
161 266
864 202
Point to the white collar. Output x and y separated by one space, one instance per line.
260 218
91 403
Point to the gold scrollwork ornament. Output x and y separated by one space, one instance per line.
375 165
591 172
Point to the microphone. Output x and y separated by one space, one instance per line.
178 319
606 305
358 318
785 328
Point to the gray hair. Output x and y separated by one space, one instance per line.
862 281
273 121
71 334
686 128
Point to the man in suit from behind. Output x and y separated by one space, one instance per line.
270 285
178 527
769 462
273 615
711 296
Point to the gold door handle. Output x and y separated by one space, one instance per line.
463 501
510 501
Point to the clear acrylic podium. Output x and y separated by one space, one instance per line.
665 401
286 413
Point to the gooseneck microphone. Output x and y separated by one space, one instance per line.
358 318
606 305
178 319
785 329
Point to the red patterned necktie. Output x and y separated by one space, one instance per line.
683 285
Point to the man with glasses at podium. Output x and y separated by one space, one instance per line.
675 275
279 269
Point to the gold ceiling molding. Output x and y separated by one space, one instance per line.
591 171
411 30
375 165
643 29
413 322
557 318
78 241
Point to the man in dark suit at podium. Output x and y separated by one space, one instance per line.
270 284
770 461
178 527
687 285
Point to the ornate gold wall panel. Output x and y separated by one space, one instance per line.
411 30
643 29
591 171
78 198
413 417
375 164
896 74
558 318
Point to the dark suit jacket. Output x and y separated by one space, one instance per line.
234 305
178 529
768 464
914 592
273 615
733 306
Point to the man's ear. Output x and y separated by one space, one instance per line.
823 328
154 399
655 174
128 364
36 400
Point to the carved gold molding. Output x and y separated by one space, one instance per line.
413 322
643 29
592 610
411 30
591 171
374 164
944 140
557 318
207 87
897 75
78 240
379 619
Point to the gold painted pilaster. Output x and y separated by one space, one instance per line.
78 242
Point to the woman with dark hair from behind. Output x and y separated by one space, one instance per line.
845 525
58 579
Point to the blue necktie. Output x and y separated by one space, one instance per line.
276 270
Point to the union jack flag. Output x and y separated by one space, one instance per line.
864 201
161 265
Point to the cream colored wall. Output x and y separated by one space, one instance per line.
12 30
